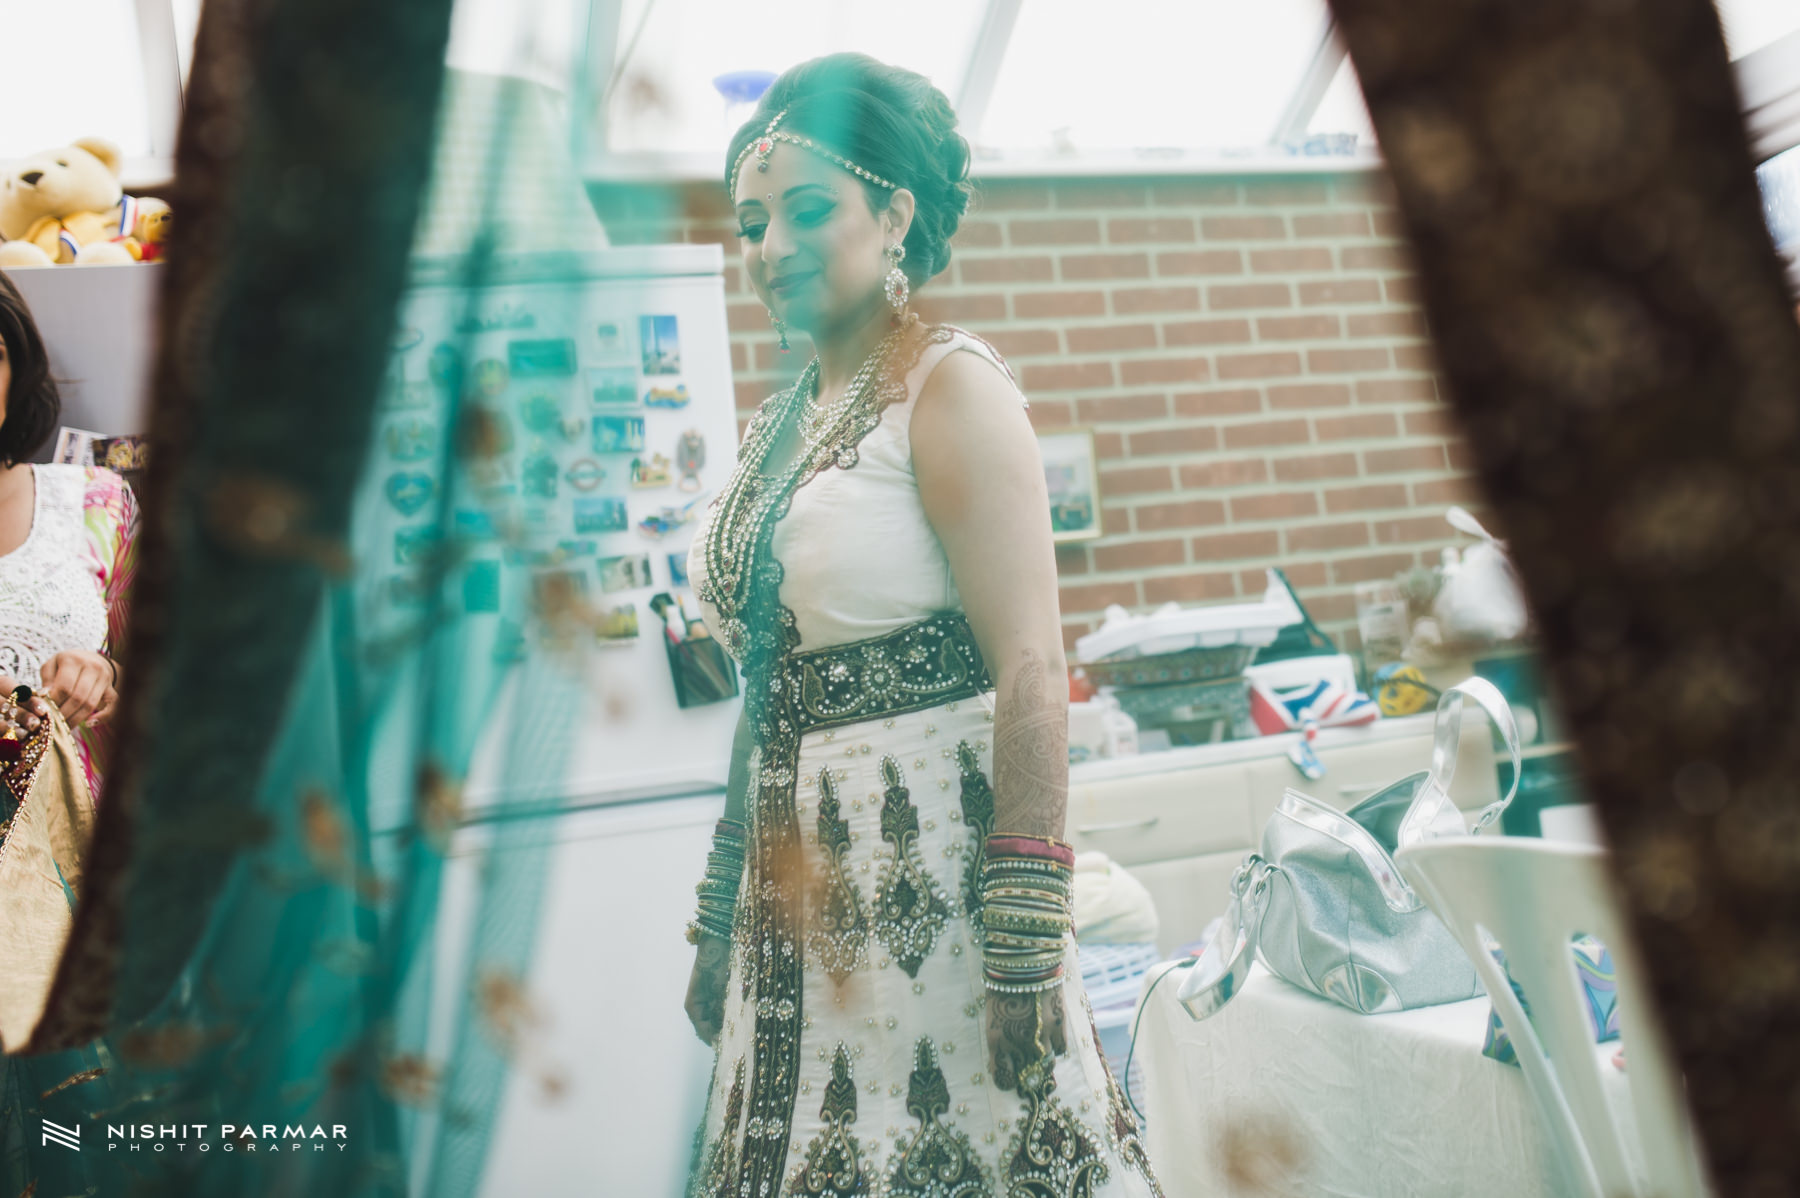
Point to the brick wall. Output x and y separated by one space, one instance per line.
1246 351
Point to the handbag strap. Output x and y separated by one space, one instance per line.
1445 747
1233 942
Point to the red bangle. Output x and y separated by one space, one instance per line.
1041 847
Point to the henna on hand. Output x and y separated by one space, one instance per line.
705 1003
1023 1029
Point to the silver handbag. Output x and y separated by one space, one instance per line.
1323 904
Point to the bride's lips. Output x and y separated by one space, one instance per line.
787 284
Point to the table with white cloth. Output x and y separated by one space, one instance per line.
1283 1093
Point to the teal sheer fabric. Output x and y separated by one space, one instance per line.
323 656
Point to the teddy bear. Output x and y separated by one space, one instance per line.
149 227
64 205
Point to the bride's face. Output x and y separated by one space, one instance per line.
812 249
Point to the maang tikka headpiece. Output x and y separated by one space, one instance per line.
764 145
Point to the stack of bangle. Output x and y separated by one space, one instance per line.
718 890
1027 885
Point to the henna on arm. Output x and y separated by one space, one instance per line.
1031 748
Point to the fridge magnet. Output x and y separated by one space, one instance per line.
690 455
541 359
1074 484
614 386
667 397
660 341
584 474
541 414
629 572
537 475
661 523
490 377
678 576
405 397
492 478
508 317
404 590
617 625
600 513
413 545
570 550
444 367
409 491
410 440
653 473
475 525
618 434
481 586
613 341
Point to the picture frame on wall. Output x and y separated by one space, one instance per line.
1073 480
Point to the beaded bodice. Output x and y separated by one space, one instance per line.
738 578
50 599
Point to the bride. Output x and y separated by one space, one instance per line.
883 958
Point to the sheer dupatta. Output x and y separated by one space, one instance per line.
258 937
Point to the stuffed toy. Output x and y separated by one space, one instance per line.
147 219
65 205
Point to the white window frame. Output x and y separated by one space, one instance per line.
602 165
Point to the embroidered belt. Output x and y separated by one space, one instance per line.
922 665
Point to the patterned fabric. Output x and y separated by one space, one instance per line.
1599 986
66 586
856 992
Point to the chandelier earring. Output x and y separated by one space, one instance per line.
895 284
780 330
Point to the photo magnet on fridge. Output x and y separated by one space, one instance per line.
541 413
541 359
613 386
410 440
538 474
629 572
612 341
413 545
660 341
618 434
600 513
618 624
678 576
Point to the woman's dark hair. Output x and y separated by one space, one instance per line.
887 120
32 405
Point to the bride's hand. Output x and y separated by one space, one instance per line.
705 1003
1021 1030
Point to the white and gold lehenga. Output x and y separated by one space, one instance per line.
852 1058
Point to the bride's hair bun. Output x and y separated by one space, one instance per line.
890 121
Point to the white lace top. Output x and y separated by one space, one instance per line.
53 587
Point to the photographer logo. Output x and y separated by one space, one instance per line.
56 1133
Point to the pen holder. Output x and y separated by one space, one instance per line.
703 672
